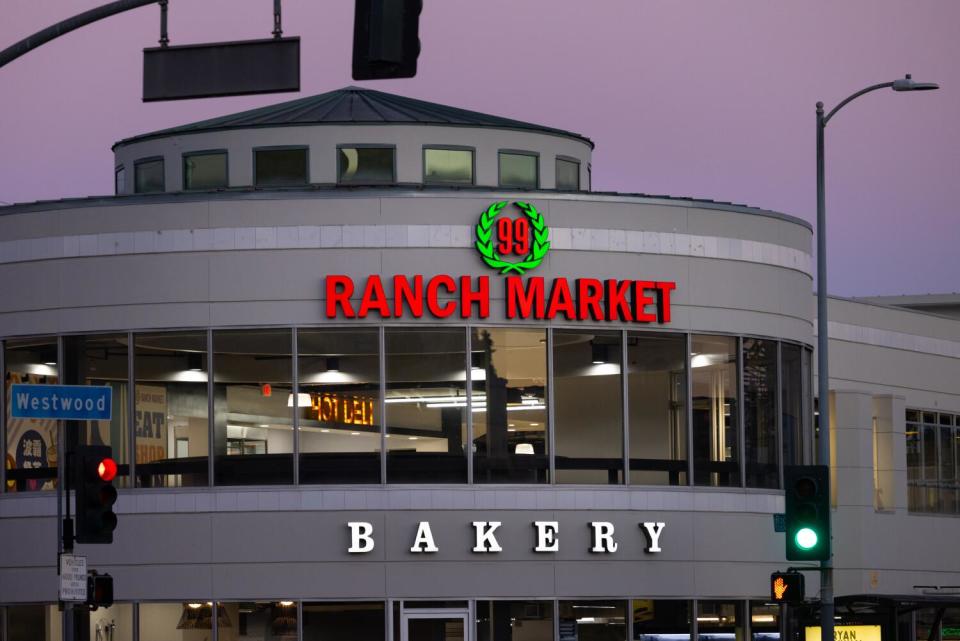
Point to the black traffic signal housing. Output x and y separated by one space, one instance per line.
786 587
807 518
386 39
99 590
94 470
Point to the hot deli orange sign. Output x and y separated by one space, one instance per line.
442 296
342 408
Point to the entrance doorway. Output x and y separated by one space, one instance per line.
441 624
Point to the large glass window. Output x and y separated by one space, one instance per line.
764 621
253 407
948 476
100 359
661 620
32 623
931 475
914 461
519 169
339 405
509 379
792 409
366 165
719 620
43 623
657 397
164 621
190 620
120 180
280 167
593 621
344 621
148 175
448 166
568 175
257 620
426 405
514 621
713 363
760 412
933 461
171 409
205 170
588 406
31 456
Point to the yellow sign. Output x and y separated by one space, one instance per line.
847 633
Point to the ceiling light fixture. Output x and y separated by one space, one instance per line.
598 353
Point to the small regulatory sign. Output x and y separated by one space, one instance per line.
73 577
780 522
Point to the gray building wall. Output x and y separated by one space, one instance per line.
322 141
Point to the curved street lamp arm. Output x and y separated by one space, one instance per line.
44 36
882 85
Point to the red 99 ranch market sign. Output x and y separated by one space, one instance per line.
442 296
511 246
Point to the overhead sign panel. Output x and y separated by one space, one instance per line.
61 402
216 69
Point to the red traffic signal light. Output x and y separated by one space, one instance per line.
93 472
786 587
107 469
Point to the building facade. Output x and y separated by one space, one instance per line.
383 368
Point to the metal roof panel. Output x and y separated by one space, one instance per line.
353 105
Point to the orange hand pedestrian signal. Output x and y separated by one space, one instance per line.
779 588
786 587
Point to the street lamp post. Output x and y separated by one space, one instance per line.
823 380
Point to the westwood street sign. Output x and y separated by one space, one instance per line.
61 402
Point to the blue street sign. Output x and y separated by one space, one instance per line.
67 402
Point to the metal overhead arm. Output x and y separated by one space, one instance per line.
882 85
44 36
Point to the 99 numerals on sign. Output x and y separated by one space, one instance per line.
513 236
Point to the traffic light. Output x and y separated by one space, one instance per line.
807 493
94 471
786 587
386 41
99 590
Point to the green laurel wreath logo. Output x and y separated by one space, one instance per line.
485 241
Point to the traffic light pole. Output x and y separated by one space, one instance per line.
823 371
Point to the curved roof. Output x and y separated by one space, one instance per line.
354 105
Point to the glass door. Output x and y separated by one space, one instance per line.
434 625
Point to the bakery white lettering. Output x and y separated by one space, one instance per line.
545 536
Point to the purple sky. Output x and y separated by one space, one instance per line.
711 99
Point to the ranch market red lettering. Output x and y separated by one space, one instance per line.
443 296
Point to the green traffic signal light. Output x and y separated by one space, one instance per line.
807 512
806 538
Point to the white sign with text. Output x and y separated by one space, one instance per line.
73 577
